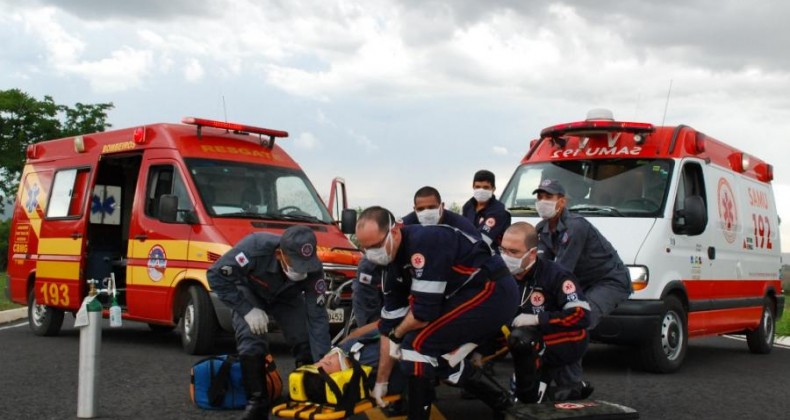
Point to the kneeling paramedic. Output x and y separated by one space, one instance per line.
550 329
282 276
454 293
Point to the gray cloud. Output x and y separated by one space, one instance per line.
142 9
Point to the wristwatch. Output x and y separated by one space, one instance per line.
394 338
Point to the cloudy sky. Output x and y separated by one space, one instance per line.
394 95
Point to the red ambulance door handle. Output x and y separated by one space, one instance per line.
141 237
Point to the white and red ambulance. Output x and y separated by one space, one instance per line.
694 220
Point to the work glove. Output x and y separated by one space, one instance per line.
379 391
395 350
526 320
258 321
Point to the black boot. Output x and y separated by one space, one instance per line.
487 389
421 395
254 380
578 391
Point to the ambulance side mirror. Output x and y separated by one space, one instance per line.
693 218
168 208
348 221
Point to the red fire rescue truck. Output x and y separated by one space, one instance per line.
694 220
155 206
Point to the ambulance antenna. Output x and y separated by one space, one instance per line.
224 108
666 105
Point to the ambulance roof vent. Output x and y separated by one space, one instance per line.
600 114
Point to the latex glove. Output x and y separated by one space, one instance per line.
526 320
258 321
379 391
395 350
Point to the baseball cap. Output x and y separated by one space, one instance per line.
551 186
298 243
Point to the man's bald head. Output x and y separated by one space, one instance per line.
526 232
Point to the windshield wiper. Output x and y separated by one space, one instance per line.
299 217
522 208
589 208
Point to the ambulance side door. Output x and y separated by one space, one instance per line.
158 250
690 249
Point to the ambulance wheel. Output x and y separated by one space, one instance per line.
665 350
43 320
761 340
198 322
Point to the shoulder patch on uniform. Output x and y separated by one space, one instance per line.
490 222
568 287
365 278
537 299
242 259
418 260
320 287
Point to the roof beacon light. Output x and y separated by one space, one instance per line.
139 135
599 114
238 129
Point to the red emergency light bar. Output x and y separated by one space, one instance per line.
236 128
592 126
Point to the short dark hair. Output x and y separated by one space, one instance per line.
314 387
428 191
529 232
484 175
381 216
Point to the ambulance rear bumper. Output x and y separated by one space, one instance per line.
633 321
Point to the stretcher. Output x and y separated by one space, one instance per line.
313 411
576 410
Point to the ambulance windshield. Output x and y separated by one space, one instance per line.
595 187
245 190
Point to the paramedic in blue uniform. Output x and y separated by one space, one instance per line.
428 210
266 274
573 242
550 330
485 212
452 291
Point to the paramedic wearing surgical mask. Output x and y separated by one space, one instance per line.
553 315
266 274
428 210
485 212
452 290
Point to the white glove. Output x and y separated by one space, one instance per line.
526 320
258 321
395 350
379 391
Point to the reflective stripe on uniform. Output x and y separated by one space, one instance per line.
414 356
428 286
397 313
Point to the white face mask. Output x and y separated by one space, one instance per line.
514 264
429 216
546 208
379 255
482 195
291 274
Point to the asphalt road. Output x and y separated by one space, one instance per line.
146 375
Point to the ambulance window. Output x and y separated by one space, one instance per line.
164 179
293 195
68 193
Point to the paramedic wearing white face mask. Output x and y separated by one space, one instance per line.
281 276
573 242
450 290
366 299
485 212
552 312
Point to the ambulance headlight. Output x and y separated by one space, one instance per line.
639 276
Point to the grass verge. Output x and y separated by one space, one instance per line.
783 324
5 303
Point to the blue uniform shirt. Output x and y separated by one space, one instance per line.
439 268
578 246
492 220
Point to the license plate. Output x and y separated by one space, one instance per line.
336 316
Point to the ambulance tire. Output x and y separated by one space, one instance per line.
198 322
665 350
761 340
43 320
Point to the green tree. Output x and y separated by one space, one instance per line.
25 120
